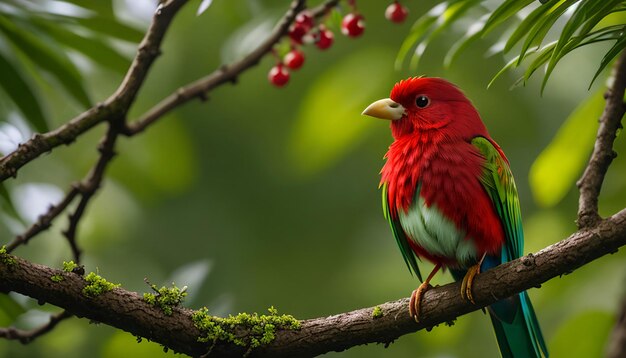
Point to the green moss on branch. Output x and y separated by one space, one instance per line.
166 298
69 266
96 285
6 259
244 329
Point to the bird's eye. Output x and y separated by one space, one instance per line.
422 101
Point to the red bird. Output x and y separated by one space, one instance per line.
450 198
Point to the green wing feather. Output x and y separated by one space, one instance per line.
498 181
407 253
514 320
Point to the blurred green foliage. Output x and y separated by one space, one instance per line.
562 161
265 196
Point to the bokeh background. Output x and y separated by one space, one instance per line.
264 196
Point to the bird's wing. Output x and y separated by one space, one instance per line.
407 253
497 180
518 333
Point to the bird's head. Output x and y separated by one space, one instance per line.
419 104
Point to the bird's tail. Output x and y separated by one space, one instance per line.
517 329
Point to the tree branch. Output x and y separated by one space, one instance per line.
114 111
591 181
44 221
115 106
228 73
86 189
118 105
128 311
91 184
28 336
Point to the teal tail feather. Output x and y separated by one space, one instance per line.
514 321
517 329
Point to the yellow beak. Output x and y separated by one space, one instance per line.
385 109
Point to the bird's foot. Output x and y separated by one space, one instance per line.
468 282
416 300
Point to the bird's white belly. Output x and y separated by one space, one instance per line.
430 229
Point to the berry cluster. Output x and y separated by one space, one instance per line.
304 30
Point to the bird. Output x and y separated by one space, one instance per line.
450 198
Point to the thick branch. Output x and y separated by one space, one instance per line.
603 154
127 311
114 107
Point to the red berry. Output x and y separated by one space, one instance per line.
294 59
278 76
353 25
325 38
305 18
396 12
297 32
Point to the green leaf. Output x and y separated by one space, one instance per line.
473 33
619 45
605 34
584 335
543 55
92 47
10 310
504 12
329 122
418 30
111 27
581 15
512 63
450 15
527 24
559 165
47 59
22 95
540 28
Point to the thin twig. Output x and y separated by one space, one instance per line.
91 184
225 74
27 336
591 181
85 189
44 221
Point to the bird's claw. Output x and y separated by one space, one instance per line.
468 282
416 300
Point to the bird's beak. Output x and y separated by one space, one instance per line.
385 109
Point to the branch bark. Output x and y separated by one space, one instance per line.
603 154
128 311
